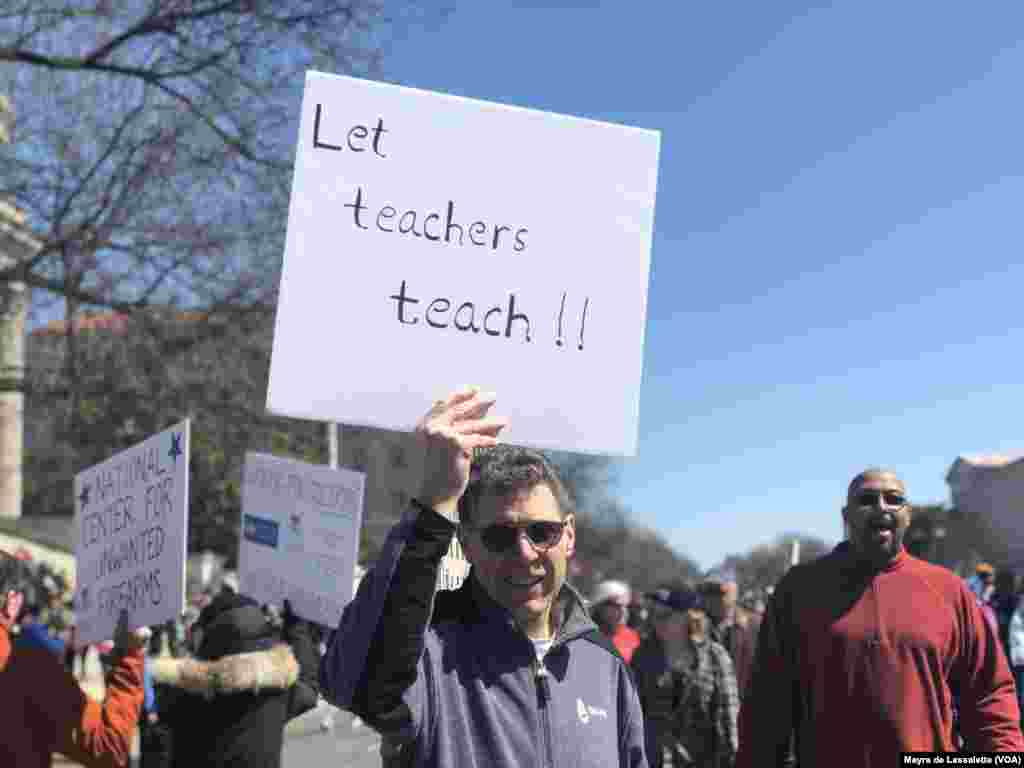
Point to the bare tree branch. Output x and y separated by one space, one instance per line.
154 139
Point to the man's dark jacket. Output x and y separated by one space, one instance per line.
459 683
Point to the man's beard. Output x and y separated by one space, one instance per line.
877 553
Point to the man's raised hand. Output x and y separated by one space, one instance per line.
451 430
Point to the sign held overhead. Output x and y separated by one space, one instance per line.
131 525
475 243
300 535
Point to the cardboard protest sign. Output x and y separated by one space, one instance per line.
300 535
131 524
453 241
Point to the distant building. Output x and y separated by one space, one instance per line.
393 463
990 489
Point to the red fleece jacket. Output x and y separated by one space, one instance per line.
863 666
43 710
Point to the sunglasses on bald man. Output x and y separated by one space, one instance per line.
875 498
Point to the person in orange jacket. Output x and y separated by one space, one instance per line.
610 609
42 706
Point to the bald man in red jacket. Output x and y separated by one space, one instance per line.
862 652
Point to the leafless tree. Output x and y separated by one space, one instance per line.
764 565
154 140
151 155
130 386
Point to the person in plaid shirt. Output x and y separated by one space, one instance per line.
728 623
687 687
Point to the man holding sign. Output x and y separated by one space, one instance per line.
42 707
509 669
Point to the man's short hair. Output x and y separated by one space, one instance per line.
14 575
506 469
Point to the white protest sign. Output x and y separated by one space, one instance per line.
300 535
131 524
454 567
450 241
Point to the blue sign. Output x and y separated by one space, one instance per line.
260 530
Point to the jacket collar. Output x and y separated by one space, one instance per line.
569 609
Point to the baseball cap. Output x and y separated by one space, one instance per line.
675 599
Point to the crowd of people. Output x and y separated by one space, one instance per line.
214 688
1000 594
856 657
859 656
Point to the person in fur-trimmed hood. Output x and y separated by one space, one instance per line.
228 706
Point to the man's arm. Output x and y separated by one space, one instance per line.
372 664
89 732
989 713
766 716
372 658
392 664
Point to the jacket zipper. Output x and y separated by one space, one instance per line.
540 675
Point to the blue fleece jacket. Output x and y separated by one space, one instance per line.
38 636
453 676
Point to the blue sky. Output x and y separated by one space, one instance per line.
837 272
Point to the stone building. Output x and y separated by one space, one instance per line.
987 494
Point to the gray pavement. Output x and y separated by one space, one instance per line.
349 744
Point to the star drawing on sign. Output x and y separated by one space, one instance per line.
83 497
175 451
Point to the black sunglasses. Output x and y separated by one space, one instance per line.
542 534
871 498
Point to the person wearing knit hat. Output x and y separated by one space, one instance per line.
610 609
687 686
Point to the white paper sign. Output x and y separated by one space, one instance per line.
300 535
440 241
454 567
131 524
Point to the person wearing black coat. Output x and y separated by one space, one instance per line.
227 708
